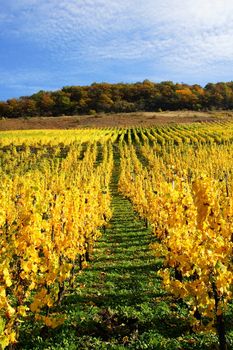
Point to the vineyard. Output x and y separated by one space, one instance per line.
117 238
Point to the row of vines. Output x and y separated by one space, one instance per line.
54 200
184 191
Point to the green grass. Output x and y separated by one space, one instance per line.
118 302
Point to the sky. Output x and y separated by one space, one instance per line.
48 44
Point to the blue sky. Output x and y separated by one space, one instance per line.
47 44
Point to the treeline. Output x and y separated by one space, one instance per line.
116 98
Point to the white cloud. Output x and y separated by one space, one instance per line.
179 34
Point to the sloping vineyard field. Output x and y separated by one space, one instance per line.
117 238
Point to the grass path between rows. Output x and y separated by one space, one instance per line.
119 285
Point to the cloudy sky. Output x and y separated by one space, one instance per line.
47 44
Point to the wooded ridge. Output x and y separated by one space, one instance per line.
120 97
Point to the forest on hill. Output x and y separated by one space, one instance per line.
121 97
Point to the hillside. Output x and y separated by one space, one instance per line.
113 120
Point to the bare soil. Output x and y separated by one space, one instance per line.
144 119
